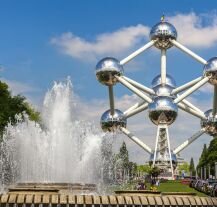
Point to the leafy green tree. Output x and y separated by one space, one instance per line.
203 157
12 105
212 155
144 168
192 168
124 155
154 172
184 167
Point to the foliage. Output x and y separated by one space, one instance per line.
154 171
12 105
184 167
208 157
124 156
192 168
144 168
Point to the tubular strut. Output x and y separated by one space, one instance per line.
189 141
136 140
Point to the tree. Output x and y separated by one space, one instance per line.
192 168
124 156
183 168
154 172
212 155
11 106
203 157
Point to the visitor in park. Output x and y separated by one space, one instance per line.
141 185
158 182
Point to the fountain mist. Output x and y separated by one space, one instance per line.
63 150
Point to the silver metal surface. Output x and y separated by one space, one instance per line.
111 100
169 81
107 69
210 70
210 124
111 123
165 90
163 32
162 110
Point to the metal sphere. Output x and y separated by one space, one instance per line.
210 124
162 110
110 123
210 69
169 81
163 158
106 69
163 32
163 91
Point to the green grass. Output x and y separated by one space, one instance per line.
169 186
174 186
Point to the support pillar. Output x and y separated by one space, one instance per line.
204 173
215 170
201 173
162 153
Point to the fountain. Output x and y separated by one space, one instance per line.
60 149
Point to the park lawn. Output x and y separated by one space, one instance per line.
168 186
177 186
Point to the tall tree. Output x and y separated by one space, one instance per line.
124 156
192 168
203 157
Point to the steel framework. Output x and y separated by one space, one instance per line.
162 100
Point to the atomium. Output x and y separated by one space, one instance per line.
163 32
106 69
111 123
210 124
210 69
162 99
162 110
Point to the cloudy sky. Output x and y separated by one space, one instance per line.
46 41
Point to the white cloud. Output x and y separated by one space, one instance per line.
17 87
104 44
207 88
194 30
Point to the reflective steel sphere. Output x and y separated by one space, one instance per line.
161 158
111 123
210 69
210 124
162 32
162 110
169 81
163 91
106 69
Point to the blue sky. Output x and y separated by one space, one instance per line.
45 41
